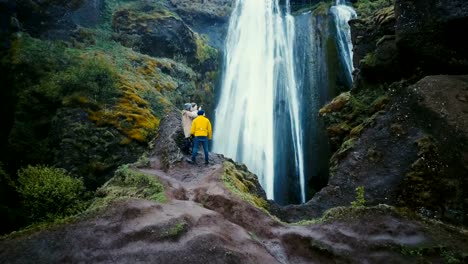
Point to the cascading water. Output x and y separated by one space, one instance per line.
342 13
274 83
259 94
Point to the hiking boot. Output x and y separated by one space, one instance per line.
206 162
191 161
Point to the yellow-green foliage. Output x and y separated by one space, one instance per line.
204 51
128 183
237 182
151 70
369 59
48 193
131 115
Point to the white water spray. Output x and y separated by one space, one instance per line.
259 56
342 13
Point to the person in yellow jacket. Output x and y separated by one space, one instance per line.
201 130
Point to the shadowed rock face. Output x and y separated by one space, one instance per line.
55 19
207 17
159 34
429 32
411 40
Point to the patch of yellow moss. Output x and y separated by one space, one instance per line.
204 51
150 69
131 115
336 104
237 182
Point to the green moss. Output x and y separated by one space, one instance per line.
204 51
131 115
128 183
347 115
365 8
424 185
137 14
140 10
175 230
369 60
238 182
360 200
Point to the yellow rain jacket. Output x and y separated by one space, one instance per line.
201 127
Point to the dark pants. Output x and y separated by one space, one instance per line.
187 145
204 141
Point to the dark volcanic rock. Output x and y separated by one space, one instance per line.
155 32
215 10
56 19
428 34
375 55
208 17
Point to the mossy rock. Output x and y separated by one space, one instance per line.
240 181
156 31
128 183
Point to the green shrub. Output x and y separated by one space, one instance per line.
48 193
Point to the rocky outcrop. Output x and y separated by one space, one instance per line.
55 19
410 40
81 146
428 35
194 11
374 50
207 17
155 31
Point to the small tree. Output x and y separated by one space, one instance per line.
49 193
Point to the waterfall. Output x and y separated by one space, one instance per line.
259 93
342 14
